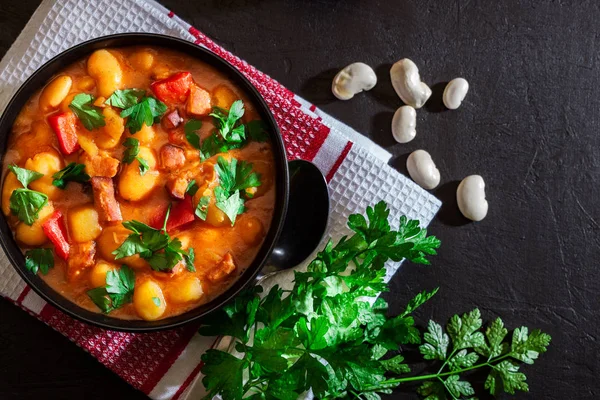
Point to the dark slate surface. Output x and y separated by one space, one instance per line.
529 126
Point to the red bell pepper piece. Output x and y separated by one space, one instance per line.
64 125
174 89
54 228
182 212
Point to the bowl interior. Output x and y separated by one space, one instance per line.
39 79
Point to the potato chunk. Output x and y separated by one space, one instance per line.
132 185
55 92
142 60
223 97
149 301
47 163
185 290
106 70
251 230
84 224
34 235
98 273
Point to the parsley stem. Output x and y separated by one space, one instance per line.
438 375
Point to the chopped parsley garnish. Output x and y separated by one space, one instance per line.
131 153
125 98
39 260
325 335
190 129
154 246
117 292
71 173
202 207
156 301
25 176
24 202
234 177
191 188
230 133
90 116
147 111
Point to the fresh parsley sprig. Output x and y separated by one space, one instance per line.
39 260
231 133
132 153
90 116
234 177
24 202
117 292
125 98
138 108
71 173
154 246
325 335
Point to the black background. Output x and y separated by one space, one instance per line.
529 126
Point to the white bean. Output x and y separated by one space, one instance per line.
422 169
470 196
407 83
353 79
404 124
455 93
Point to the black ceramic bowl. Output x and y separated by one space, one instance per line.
41 77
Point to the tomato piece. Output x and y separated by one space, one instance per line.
55 229
174 89
64 126
182 212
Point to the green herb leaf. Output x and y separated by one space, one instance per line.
189 258
156 301
26 204
25 176
39 260
125 98
117 292
90 116
132 150
191 135
223 374
71 173
234 176
144 167
148 111
191 188
226 121
154 246
257 131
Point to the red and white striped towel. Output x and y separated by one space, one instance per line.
165 365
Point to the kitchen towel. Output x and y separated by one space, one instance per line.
166 365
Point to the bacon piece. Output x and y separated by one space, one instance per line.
104 199
171 120
176 186
223 269
198 103
100 165
171 157
81 256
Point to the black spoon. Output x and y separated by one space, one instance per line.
306 219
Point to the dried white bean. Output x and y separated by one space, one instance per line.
422 169
470 196
352 80
404 124
407 83
455 93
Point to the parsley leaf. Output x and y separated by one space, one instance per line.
26 204
156 301
324 335
147 111
90 116
192 188
71 173
226 122
234 177
131 153
117 292
25 176
257 131
125 98
39 260
202 207
190 129
154 246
